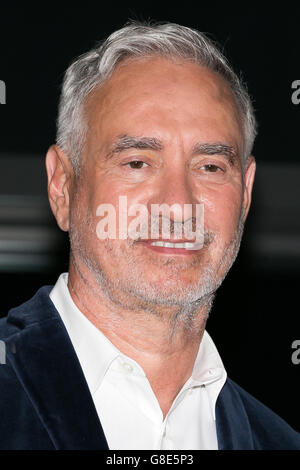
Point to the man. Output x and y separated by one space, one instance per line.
116 355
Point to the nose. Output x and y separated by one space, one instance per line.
175 191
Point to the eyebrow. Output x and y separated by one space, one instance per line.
216 149
125 142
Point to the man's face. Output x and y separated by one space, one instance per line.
173 110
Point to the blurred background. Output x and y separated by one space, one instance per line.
256 313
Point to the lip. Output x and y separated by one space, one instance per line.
170 240
167 250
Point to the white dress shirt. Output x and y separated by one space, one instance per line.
126 405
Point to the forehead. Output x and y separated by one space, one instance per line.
155 94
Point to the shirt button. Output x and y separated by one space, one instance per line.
164 433
128 367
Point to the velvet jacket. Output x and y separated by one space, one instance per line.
45 402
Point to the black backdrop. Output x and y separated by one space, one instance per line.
255 317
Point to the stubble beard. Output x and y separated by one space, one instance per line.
128 291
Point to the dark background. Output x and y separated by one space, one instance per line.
255 317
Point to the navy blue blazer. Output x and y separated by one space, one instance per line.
45 402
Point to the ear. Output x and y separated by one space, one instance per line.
60 174
248 184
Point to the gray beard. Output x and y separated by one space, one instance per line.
132 294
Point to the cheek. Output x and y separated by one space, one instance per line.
222 208
109 207
122 196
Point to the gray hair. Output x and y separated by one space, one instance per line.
139 40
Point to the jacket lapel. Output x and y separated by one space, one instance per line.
46 364
233 427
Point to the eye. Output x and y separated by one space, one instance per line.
211 168
137 164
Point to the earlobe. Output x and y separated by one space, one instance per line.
59 175
248 185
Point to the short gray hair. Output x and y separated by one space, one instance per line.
139 40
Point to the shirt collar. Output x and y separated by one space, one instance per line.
208 365
96 353
94 350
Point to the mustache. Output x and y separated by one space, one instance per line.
156 225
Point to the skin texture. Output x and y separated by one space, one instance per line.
151 304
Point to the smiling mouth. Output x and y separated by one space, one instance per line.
174 248
178 245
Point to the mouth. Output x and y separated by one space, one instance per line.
175 248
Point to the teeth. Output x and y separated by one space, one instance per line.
186 245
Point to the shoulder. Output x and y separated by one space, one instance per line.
18 322
20 425
19 318
267 429
35 309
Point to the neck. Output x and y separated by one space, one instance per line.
162 339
